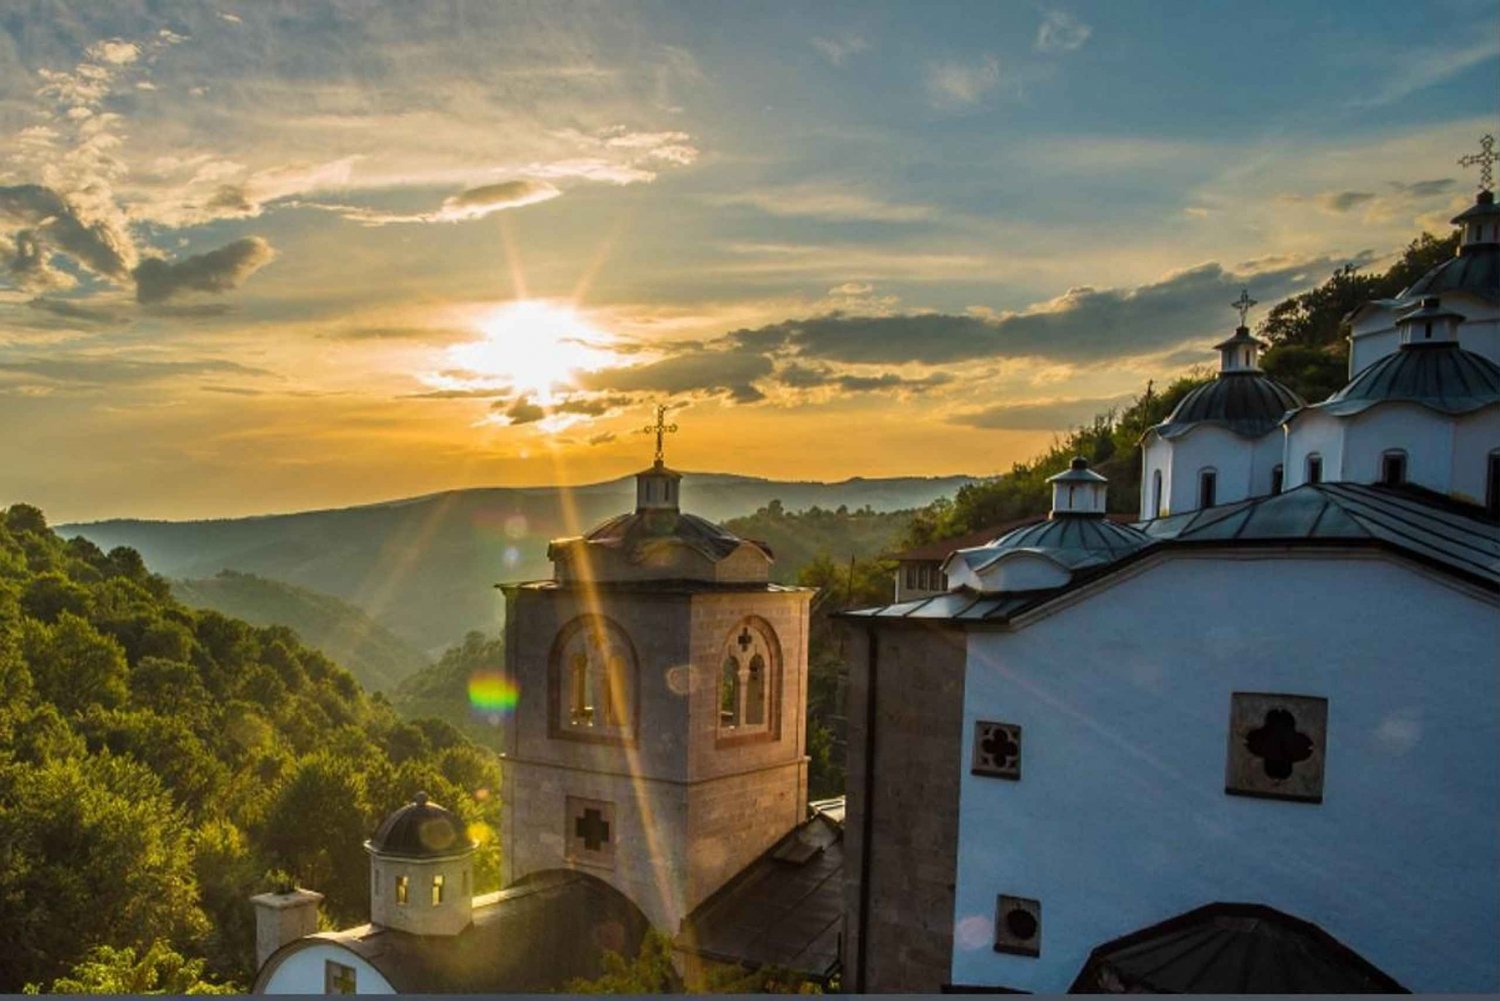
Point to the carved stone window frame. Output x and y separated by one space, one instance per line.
577 810
984 762
1018 925
734 652
596 637
1295 727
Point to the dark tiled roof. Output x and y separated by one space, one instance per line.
1476 269
1231 949
658 586
1073 540
1443 377
785 909
421 829
943 548
638 532
1247 403
1426 527
534 936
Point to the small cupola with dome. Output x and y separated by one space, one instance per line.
1429 325
1078 491
422 870
658 488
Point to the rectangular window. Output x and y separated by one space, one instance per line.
1492 486
437 890
1393 469
402 887
1276 474
338 978
1208 483
911 576
1315 469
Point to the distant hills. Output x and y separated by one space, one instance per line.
378 658
425 567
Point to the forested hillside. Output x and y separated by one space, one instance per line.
379 659
425 568
797 538
158 765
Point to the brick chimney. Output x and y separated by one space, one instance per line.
281 918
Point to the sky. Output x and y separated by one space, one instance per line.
262 257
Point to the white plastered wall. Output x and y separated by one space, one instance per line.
1120 819
302 970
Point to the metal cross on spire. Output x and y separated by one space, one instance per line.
1243 304
1485 158
661 427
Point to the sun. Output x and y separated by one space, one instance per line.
535 347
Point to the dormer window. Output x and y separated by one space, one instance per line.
1393 468
1314 468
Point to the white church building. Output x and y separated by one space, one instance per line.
1248 744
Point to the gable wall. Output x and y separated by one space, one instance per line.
1120 820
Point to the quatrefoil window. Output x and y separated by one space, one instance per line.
1277 745
997 750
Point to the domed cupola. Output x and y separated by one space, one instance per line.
1476 266
1242 399
421 870
1429 369
1075 537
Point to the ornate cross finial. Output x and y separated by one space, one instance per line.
1485 158
1243 304
661 427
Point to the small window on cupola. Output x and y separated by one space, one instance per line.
1208 487
1314 468
1277 474
1393 468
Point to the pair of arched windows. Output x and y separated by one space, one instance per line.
748 673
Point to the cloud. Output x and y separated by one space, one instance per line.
839 48
595 406
101 370
458 394
114 51
49 223
473 203
523 411
1342 201
728 371
603 438
1407 69
1046 415
954 85
1061 32
1083 324
76 312
1424 189
816 201
216 271
418 334
476 203
822 377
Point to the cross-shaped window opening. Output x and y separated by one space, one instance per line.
592 829
338 978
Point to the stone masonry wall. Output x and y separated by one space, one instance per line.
913 813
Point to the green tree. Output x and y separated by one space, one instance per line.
73 665
158 970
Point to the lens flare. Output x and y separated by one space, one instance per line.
492 693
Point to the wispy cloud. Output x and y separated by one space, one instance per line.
216 271
1061 32
813 200
1039 415
955 85
839 48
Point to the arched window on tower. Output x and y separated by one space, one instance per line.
749 682
593 672
1156 510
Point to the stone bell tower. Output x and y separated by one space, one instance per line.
658 740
